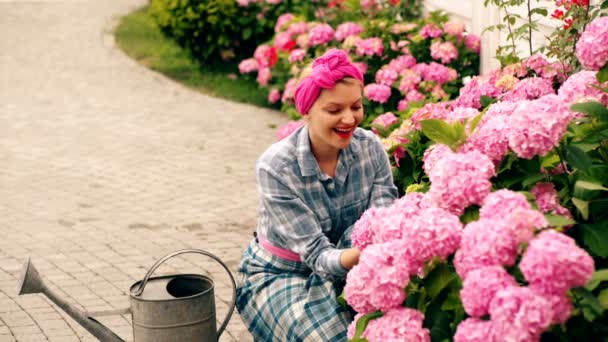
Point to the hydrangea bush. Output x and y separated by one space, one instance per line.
502 233
405 63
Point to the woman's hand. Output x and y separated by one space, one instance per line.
350 257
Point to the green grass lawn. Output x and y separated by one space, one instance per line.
139 37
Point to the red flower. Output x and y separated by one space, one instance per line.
394 2
558 14
568 23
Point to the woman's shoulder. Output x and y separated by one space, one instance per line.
366 138
279 155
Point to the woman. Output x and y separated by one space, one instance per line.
313 186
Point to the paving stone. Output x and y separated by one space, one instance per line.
108 166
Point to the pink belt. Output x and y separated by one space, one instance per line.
278 251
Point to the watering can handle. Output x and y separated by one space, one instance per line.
140 290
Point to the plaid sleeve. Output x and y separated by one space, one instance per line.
287 216
384 191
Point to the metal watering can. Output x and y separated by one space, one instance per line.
178 307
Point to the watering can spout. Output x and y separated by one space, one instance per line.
32 283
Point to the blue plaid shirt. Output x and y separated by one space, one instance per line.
305 211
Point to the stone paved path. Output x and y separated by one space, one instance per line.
106 166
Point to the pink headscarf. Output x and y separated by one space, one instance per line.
326 71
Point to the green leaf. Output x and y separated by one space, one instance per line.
596 279
577 158
342 300
486 101
602 298
582 206
592 109
470 214
602 74
589 186
440 132
598 208
604 4
541 11
558 220
589 304
475 121
595 236
532 180
549 161
439 278
247 33
452 302
362 324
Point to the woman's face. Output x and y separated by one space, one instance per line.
334 116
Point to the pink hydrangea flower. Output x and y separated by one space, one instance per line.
474 330
519 314
274 95
298 28
538 126
362 66
386 76
553 263
378 281
480 286
479 86
384 121
461 179
490 138
454 28
348 29
320 34
370 47
433 154
485 243
264 76
377 92
290 89
248 65
513 209
363 231
400 28
473 42
402 105
266 56
537 62
438 93
529 89
592 46
561 304
398 324
283 41
303 41
459 114
282 20
430 31
297 55
409 81
402 63
414 95
439 73
445 52
430 111
273 2
581 87
547 201
288 128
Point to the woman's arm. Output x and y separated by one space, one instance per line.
294 225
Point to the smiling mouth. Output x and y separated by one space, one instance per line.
344 133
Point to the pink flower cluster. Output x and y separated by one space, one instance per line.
348 29
537 126
529 89
384 121
288 128
430 31
460 179
398 324
370 47
386 76
592 46
282 21
547 201
274 95
320 34
582 87
473 42
454 28
445 52
248 65
377 92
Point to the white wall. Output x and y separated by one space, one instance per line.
477 17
